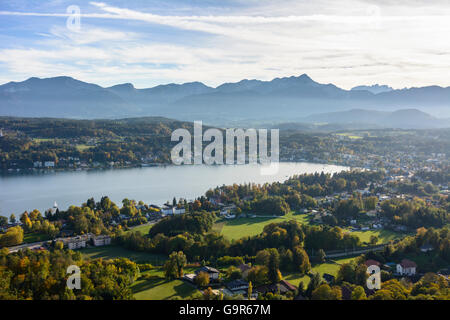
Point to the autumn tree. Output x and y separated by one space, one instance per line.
173 268
202 279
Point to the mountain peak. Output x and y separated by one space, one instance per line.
123 86
375 89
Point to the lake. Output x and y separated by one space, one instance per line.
155 185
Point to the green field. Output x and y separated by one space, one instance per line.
159 288
142 229
330 267
244 227
83 147
111 252
384 236
35 237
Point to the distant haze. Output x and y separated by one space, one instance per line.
288 99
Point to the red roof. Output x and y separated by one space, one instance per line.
371 262
408 264
288 285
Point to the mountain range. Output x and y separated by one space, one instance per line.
293 99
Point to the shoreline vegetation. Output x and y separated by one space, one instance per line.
302 233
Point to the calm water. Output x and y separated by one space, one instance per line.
153 185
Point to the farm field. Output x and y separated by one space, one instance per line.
111 252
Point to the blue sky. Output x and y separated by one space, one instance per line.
346 42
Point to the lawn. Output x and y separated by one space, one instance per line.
83 147
330 267
111 252
384 236
35 237
142 229
244 227
159 288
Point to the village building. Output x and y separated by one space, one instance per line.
102 240
281 287
212 272
77 242
371 262
406 267
238 286
426 247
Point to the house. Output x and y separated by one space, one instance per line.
215 200
167 209
328 278
371 262
371 213
179 210
227 210
103 240
288 285
189 277
213 273
406 267
245 268
236 286
426 247
49 164
281 287
37 164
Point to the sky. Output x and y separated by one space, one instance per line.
401 43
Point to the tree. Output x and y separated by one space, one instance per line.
358 294
3 221
273 266
301 260
173 268
202 279
325 292
12 218
321 256
12 237
373 240
250 290
258 275
315 282
59 245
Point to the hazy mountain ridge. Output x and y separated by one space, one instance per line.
281 100
375 89
405 119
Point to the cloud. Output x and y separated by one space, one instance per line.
351 42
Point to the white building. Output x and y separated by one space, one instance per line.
102 241
37 164
169 210
77 242
49 164
212 272
407 267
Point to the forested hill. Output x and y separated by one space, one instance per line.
71 128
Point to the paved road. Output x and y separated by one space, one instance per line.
41 243
354 252
27 245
